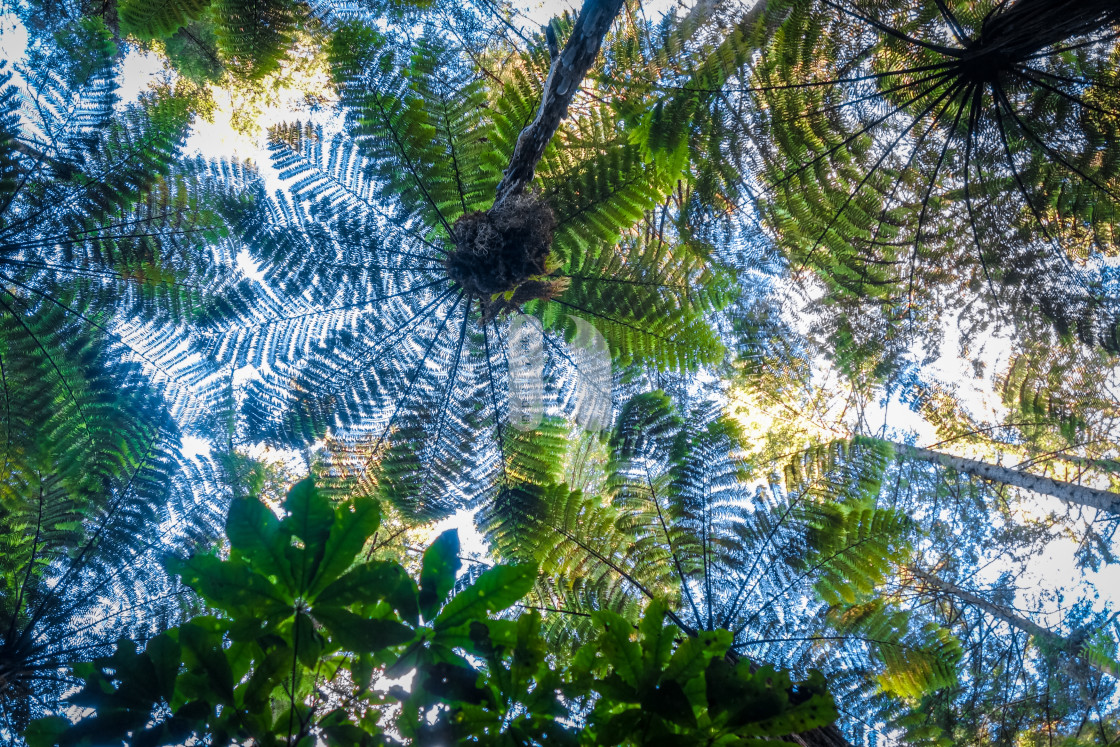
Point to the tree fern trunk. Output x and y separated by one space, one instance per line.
1052 639
1066 491
564 78
1029 26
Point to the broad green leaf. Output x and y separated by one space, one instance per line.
232 586
348 536
366 584
268 673
310 518
166 656
624 655
479 637
656 639
359 634
46 732
668 701
202 648
693 654
254 531
437 575
495 590
308 642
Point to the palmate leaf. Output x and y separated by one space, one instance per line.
392 353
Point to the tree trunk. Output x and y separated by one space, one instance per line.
1069 492
824 736
1052 639
1029 26
564 78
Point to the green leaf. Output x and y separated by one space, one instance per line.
367 584
310 518
437 576
46 732
265 677
657 640
359 634
203 650
232 586
348 536
622 653
166 657
692 656
254 531
669 702
308 641
496 589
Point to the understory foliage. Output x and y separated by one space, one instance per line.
305 638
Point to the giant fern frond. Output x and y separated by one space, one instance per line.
91 499
404 345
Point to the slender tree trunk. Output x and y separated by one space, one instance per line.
1052 639
567 72
564 78
1069 492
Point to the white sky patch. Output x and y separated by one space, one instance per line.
13 39
194 446
471 542
139 72
541 11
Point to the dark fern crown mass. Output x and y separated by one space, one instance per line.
392 270
909 150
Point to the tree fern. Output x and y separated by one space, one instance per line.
92 496
677 522
402 341
882 128
97 215
148 20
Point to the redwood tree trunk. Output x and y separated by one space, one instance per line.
1069 492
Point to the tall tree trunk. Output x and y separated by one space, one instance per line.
1052 639
1069 492
564 78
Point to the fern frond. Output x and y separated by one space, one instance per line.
149 20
